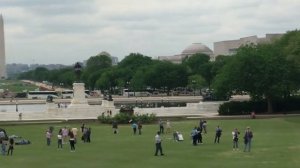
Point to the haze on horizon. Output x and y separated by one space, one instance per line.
64 32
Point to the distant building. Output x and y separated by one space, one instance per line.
2 50
229 47
187 52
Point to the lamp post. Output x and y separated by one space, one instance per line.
127 83
194 82
135 101
167 100
17 106
61 89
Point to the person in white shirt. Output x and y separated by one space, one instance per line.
59 139
158 144
168 125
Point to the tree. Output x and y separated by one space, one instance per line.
290 45
261 70
195 62
138 81
166 75
40 74
93 67
199 64
196 82
98 62
134 61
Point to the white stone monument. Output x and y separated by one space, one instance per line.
79 107
79 100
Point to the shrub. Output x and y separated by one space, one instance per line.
124 118
245 107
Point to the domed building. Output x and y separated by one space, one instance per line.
196 48
104 53
187 52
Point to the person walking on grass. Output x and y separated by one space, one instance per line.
3 147
218 134
247 139
65 133
194 135
204 126
158 144
72 141
11 143
199 136
140 126
115 127
88 135
59 139
168 126
48 137
134 127
235 139
161 126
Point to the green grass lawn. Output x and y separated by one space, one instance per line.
275 144
16 85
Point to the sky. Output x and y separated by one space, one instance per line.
68 31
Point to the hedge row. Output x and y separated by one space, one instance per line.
124 118
291 104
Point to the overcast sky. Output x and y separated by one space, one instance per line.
67 31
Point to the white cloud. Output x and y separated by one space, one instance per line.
67 31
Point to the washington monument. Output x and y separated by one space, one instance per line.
2 50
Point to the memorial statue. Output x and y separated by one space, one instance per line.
77 69
110 97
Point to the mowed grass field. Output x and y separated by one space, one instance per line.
276 144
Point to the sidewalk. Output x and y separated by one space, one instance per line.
46 117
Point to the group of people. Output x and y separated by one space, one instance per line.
235 138
161 124
69 134
196 135
86 134
136 126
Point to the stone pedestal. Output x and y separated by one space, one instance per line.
79 99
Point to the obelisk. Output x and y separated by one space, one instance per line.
2 50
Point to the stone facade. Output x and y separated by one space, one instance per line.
229 47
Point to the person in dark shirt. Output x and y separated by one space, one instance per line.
115 127
11 146
140 126
247 139
218 134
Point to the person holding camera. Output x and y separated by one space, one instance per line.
235 137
